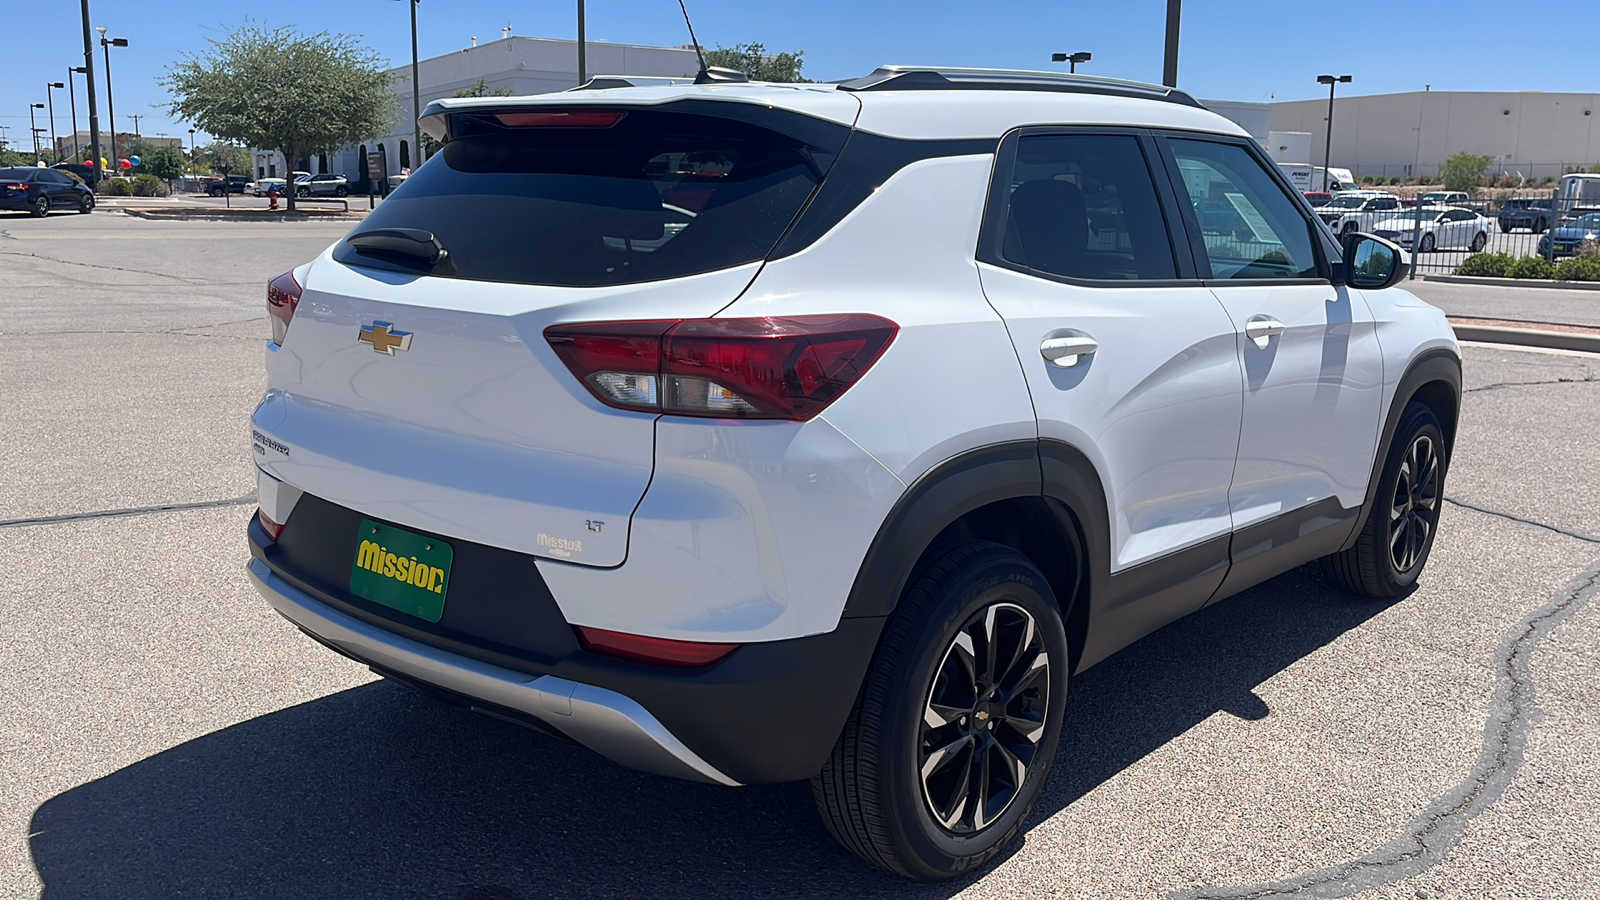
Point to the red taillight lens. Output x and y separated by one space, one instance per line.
16 187
561 118
660 651
283 295
273 529
768 368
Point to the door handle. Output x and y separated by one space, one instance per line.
1065 351
1262 329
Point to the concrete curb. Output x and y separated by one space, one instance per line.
242 215
1515 282
1528 337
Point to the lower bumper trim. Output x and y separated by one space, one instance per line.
605 721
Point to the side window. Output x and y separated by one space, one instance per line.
1386 204
1084 206
1251 228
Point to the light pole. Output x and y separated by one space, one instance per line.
33 130
583 48
1327 150
51 99
111 108
416 86
1071 59
191 151
1169 67
94 111
72 97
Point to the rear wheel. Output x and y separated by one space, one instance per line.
1349 229
86 204
1427 244
215 192
951 738
1505 227
1394 543
1540 226
1480 242
40 206
341 191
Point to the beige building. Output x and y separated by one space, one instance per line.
1529 133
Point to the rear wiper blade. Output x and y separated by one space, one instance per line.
402 245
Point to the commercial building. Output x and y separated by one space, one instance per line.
520 65
70 144
1529 133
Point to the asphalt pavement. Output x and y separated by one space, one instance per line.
164 735
1532 304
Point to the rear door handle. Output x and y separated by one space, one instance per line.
1262 329
1066 351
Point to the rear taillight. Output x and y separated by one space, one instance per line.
283 295
273 529
768 368
661 651
17 187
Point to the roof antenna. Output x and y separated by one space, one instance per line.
708 74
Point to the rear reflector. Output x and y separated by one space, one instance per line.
273 529
566 118
660 651
283 295
767 368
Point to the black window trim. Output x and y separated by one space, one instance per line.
1324 246
996 206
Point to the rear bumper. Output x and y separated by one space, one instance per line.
767 713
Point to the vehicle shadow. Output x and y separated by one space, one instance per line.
380 792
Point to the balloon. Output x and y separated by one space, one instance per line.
134 159
124 164
104 164
89 163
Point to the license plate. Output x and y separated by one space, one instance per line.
401 570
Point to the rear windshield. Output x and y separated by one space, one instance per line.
17 174
633 195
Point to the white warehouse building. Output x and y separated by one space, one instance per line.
1530 133
523 65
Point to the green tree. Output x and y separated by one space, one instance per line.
9 157
165 163
212 156
754 61
478 89
1462 171
281 90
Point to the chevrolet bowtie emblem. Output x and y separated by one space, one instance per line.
383 337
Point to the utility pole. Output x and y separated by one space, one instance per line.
583 48
1169 68
55 149
33 128
416 88
136 117
72 97
111 109
94 114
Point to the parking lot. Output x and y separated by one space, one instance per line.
164 734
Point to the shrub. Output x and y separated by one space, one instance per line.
114 187
1397 180
1425 179
1584 267
1548 179
147 185
1489 265
1536 267
1509 181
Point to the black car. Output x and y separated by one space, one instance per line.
41 190
1525 212
233 184
82 170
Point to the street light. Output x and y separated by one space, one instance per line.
111 108
72 96
1327 149
33 130
191 151
1072 59
1169 65
416 87
51 99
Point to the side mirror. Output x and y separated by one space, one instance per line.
1372 263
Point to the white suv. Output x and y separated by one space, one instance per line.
752 433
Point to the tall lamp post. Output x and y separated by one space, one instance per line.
1327 149
583 48
51 99
1071 59
33 129
416 87
191 151
1169 67
111 108
95 174
72 97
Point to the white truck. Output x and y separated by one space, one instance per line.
1577 194
1307 177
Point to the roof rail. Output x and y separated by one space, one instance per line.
937 78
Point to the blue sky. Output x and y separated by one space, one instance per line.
1232 49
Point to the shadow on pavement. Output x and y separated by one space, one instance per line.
379 792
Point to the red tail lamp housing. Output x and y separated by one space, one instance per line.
755 368
283 295
660 651
273 529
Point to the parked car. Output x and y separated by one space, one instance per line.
1351 211
1454 198
1525 212
706 494
1571 235
324 185
262 185
41 191
79 170
1318 199
1442 227
216 185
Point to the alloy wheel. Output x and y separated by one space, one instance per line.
1415 509
984 718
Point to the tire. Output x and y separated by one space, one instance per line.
40 207
1480 242
1540 226
86 204
341 191
1348 229
303 192
1375 567
871 793
1505 227
1427 244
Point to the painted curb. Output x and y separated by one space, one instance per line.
1528 337
244 215
1516 282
